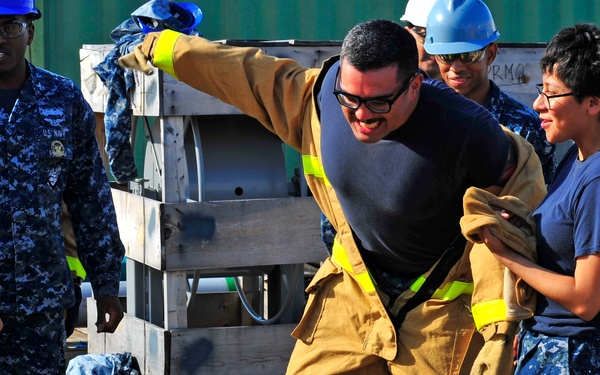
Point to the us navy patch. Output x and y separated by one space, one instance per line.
57 148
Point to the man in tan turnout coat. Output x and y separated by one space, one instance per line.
387 155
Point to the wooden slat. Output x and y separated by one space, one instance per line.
162 95
140 227
249 350
175 304
252 350
203 235
174 168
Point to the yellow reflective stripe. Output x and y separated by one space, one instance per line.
366 281
452 290
75 265
448 292
488 312
417 284
341 258
163 52
312 166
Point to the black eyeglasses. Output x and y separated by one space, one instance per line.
466 57
13 29
421 33
376 105
547 97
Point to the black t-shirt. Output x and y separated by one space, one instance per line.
402 196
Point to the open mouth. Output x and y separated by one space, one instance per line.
367 127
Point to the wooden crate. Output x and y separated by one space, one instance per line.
172 235
242 350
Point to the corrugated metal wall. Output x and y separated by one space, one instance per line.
524 21
68 24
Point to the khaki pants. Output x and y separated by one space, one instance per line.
344 331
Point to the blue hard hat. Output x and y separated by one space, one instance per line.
457 26
189 14
182 17
19 7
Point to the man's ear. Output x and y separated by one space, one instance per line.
415 86
31 33
594 105
492 52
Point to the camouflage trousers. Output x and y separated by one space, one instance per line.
549 355
33 344
327 233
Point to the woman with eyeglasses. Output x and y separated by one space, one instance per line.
564 334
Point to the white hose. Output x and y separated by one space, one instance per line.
298 271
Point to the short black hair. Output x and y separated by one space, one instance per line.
573 55
377 44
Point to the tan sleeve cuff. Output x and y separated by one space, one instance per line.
501 328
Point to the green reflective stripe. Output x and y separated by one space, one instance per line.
452 290
75 265
417 284
341 258
485 313
449 292
312 166
163 52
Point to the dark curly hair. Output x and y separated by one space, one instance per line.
573 56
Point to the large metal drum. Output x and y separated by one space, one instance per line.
228 157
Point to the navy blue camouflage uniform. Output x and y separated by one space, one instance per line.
49 153
524 121
541 354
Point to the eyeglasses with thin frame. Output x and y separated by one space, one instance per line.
378 105
467 58
546 97
13 29
420 32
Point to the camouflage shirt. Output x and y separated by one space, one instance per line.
49 153
524 121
